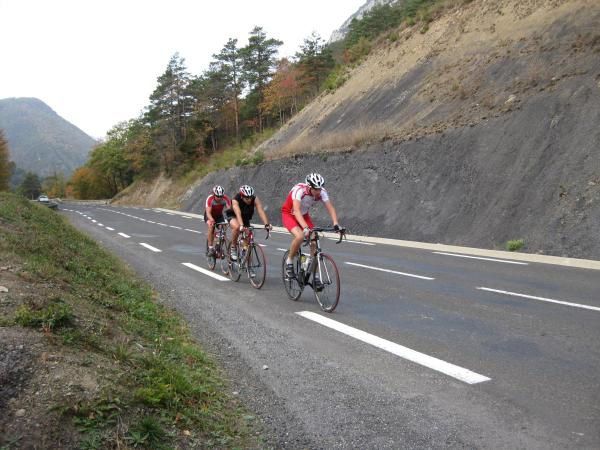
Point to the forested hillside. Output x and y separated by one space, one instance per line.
41 141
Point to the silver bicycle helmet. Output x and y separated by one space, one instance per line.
315 180
247 191
218 191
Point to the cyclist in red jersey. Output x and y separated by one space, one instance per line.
216 202
295 217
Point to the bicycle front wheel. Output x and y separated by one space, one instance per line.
256 266
327 293
211 260
293 287
234 266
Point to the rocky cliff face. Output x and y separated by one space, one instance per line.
341 32
483 129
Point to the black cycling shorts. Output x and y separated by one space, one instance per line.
218 219
229 214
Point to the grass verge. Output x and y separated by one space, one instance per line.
123 370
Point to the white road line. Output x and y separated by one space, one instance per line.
170 214
173 226
149 247
391 271
542 299
187 217
94 220
151 221
282 249
262 245
110 229
205 272
100 225
460 373
353 242
124 235
279 232
193 231
480 257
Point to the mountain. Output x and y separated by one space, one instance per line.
340 33
40 140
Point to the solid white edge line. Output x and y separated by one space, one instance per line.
205 272
391 271
352 242
481 257
124 235
149 247
541 299
454 371
110 229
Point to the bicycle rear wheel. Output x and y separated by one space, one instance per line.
293 286
211 260
256 266
327 295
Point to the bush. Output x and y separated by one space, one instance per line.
515 245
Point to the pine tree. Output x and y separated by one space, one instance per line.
259 61
230 65
315 61
31 186
5 166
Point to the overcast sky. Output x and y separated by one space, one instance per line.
96 62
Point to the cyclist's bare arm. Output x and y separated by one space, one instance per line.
261 211
331 211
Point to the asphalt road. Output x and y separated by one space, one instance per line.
477 353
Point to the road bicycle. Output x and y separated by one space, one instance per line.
250 259
220 242
319 272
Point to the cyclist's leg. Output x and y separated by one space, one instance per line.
210 232
235 232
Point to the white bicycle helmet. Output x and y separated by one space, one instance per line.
218 191
247 191
315 180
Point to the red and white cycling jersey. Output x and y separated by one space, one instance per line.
302 192
217 204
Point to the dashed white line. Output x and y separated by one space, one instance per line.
282 249
390 271
541 299
149 247
94 220
124 235
100 225
110 229
481 257
460 373
187 217
193 231
173 226
205 272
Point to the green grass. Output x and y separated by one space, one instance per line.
159 387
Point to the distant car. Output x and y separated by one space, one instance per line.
43 198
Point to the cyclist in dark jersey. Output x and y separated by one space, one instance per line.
216 202
241 212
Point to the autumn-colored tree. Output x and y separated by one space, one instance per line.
5 167
55 185
87 184
281 94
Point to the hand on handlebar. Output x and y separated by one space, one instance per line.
210 222
268 227
306 232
